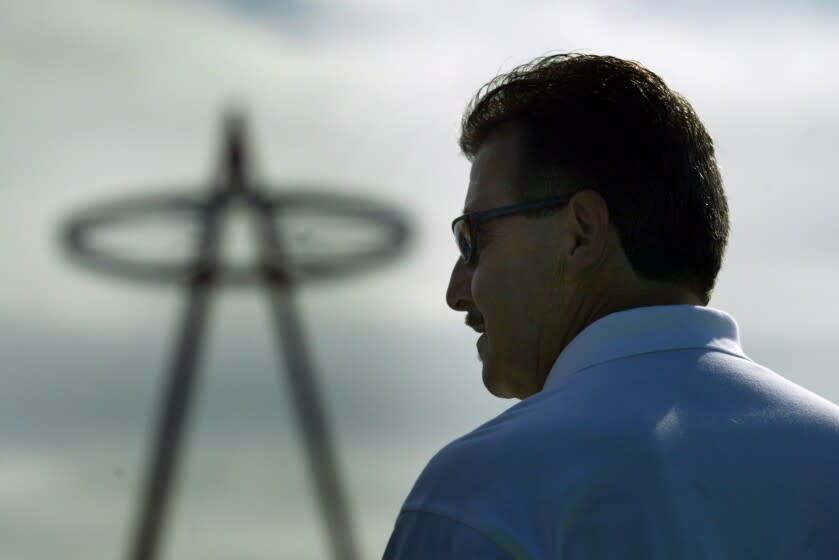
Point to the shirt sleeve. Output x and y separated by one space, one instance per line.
425 535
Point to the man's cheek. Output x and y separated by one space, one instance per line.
484 295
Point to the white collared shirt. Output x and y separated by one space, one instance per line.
654 437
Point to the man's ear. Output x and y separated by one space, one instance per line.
589 230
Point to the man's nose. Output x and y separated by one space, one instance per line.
458 295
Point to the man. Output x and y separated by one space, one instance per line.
594 228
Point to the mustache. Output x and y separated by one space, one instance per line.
473 319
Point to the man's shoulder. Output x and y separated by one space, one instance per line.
534 425
533 443
747 393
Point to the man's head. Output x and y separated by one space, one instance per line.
646 222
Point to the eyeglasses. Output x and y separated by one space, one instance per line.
465 227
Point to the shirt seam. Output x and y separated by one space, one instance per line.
449 517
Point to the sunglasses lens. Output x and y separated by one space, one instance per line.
464 239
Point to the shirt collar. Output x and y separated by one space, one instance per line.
647 329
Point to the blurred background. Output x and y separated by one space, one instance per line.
102 99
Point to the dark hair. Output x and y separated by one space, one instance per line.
611 125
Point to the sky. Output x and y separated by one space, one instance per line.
101 100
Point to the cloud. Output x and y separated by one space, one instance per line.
102 100
111 99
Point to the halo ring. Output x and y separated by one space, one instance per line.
77 231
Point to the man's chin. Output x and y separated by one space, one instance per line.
496 386
496 373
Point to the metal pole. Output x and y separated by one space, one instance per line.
174 412
301 375
172 418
